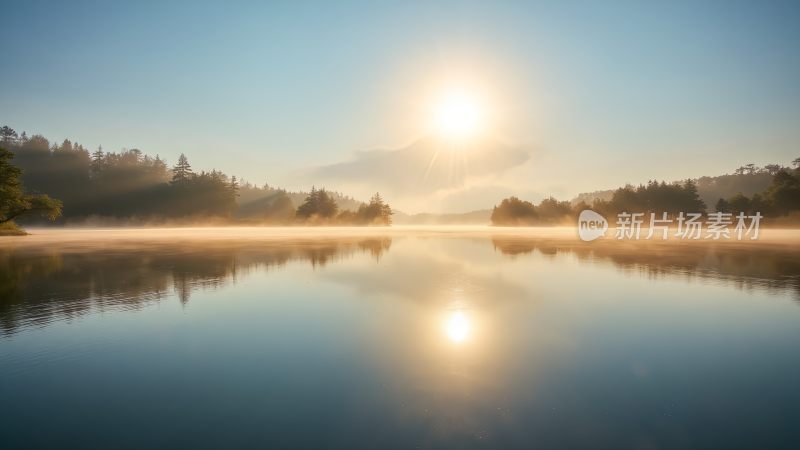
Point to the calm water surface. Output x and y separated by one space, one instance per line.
403 340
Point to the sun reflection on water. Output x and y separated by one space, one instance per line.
457 327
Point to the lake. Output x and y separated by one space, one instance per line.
396 338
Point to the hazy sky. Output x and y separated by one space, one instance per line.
595 94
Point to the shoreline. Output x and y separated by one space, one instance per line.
568 234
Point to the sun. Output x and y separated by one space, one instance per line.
458 115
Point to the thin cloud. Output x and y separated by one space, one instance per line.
427 166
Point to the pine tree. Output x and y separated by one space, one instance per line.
309 206
66 146
98 161
326 205
182 171
13 201
234 186
693 201
380 211
7 135
318 203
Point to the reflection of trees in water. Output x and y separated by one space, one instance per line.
375 247
747 266
38 286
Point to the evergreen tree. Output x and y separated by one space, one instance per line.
98 159
309 206
739 203
784 194
318 204
182 171
376 212
234 186
7 135
13 201
66 146
693 203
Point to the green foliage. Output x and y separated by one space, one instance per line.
14 202
551 210
738 203
747 180
784 194
10 229
182 172
209 194
123 185
131 185
722 206
779 199
318 206
514 212
7 136
376 212
653 197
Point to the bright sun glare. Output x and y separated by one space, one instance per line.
458 115
457 327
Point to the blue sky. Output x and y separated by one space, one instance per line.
597 93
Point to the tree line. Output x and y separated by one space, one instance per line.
780 198
653 196
130 185
320 208
14 202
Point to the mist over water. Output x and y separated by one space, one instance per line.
397 338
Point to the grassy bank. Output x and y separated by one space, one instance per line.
11 229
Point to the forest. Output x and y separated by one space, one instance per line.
780 198
66 183
69 184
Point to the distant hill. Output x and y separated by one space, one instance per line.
726 186
479 217
748 180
